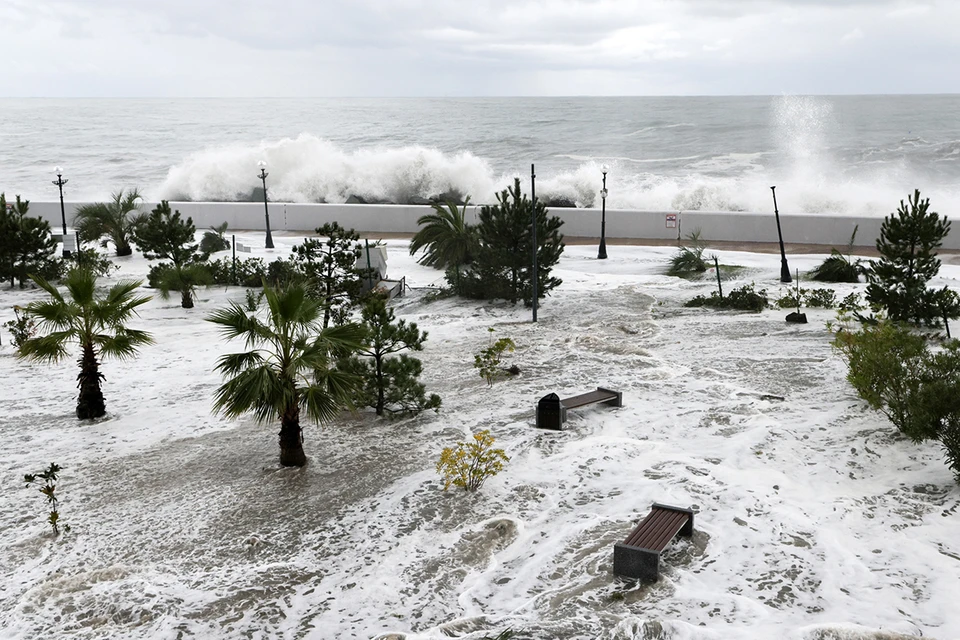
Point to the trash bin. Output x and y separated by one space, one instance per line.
550 412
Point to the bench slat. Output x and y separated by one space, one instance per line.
640 530
587 398
657 530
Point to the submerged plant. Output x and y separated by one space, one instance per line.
840 267
23 328
213 240
469 464
49 489
488 361
689 260
744 298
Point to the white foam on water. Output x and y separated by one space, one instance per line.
816 521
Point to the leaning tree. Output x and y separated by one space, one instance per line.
287 367
96 322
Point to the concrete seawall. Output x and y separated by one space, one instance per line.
747 227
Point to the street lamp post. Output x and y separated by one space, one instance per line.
63 215
602 253
266 211
784 269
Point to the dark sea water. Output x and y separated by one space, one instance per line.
847 154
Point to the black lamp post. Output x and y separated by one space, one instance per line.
266 211
602 254
63 215
535 273
784 269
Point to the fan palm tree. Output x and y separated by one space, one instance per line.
446 238
287 368
96 322
115 219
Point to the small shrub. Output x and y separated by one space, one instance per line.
213 240
250 272
850 303
789 300
49 489
744 298
488 361
21 329
253 300
282 272
820 298
469 464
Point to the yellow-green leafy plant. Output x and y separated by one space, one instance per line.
488 361
469 464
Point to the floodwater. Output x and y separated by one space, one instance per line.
815 519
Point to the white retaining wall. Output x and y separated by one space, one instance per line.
800 228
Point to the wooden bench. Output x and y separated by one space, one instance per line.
638 557
552 411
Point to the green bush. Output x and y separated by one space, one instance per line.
21 329
744 298
917 388
250 272
789 300
820 298
813 298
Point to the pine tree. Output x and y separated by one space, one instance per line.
331 267
164 235
390 380
502 267
908 242
27 246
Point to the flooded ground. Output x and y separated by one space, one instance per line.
816 520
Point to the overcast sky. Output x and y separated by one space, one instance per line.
477 47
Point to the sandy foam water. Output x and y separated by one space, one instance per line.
815 520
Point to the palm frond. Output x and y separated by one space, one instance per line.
53 314
122 344
235 322
259 390
320 403
48 348
232 364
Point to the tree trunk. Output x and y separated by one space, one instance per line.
90 404
186 298
124 249
291 439
380 399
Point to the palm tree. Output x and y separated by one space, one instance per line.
96 322
287 368
112 219
447 239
